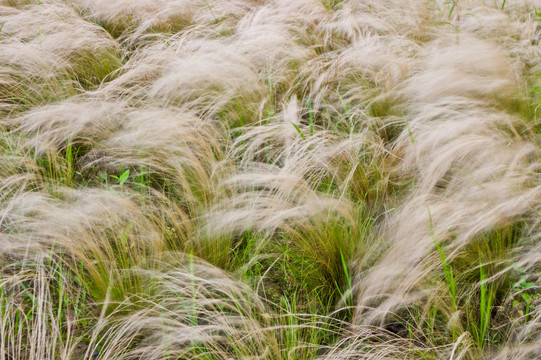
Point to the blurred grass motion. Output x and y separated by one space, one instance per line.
256 179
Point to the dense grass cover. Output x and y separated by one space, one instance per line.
270 179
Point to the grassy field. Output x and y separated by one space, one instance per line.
270 179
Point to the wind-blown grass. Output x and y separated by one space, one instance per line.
254 179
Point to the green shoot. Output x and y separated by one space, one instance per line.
122 178
298 130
